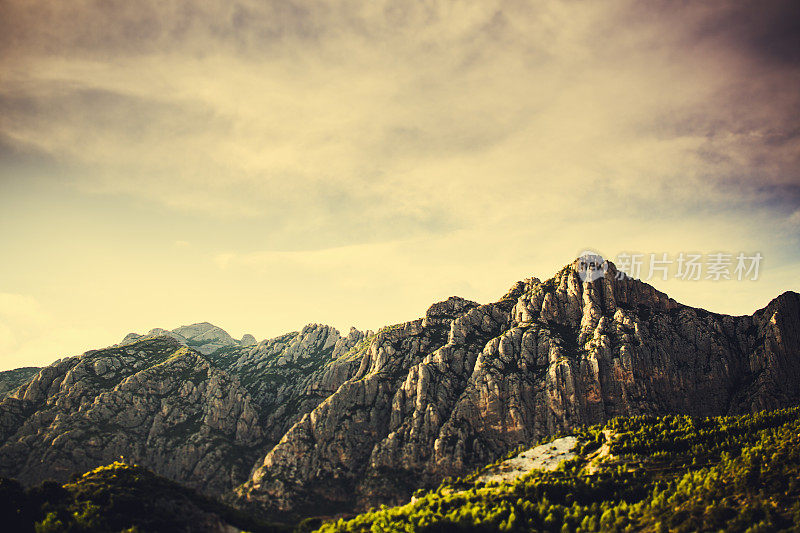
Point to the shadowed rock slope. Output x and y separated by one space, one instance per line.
154 402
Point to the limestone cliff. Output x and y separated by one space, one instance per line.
158 401
462 386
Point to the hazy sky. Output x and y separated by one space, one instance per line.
266 164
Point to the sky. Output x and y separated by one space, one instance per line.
266 164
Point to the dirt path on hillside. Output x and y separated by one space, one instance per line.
545 457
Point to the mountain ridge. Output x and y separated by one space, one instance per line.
316 419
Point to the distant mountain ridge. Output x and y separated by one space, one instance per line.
11 379
205 337
198 418
315 420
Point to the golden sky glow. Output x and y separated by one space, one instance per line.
265 164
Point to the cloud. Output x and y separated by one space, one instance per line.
411 116
350 152
765 31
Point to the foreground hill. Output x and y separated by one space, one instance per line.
672 473
118 497
316 422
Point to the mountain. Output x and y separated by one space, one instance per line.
643 473
316 422
153 401
201 420
204 337
467 383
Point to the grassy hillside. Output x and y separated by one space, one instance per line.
643 473
117 497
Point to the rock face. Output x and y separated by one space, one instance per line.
467 383
154 402
204 337
314 421
290 375
202 420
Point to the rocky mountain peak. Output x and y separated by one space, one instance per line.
203 336
444 312
205 332
573 298
549 356
154 401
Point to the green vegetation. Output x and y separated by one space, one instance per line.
672 473
117 497
357 351
389 329
11 379
642 473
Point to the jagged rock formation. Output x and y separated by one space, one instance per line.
461 387
290 375
314 419
154 402
204 337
